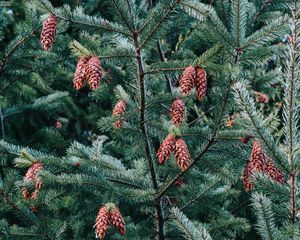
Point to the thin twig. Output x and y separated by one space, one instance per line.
2 136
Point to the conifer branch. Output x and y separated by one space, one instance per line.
82 19
206 148
12 49
144 130
120 181
261 10
195 198
15 207
289 113
117 6
266 222
163 59
188 228
158 24
246 107
2 136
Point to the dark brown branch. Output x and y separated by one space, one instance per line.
163 59
144 130
290 117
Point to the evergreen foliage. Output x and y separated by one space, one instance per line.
248 49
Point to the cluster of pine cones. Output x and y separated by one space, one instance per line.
171 144
191 76
87 68
260 162
108 215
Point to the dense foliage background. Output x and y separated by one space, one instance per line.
249 49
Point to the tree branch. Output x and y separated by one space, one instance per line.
144 130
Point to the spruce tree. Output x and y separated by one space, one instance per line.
171 119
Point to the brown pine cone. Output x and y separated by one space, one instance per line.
258 156
94 72
166 148
48 32
118 111
31 175
255 164
246 178
102 222
117 220
186 81
182 155
260 162
261 97
200 82
177 112
271 171
80 73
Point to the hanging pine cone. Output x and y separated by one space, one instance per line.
80 73
118 111
200 82
102 222
31 175
166 148
246 178
261 97
48 32
94 72
177 112
260 162
271 171
182 155
186 81
117 220
255 164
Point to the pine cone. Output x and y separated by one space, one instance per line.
258 157
200 82
102 222
94 72
48 32
118 111
261 97
177 112
166 148
80 73
117 220
272 171
186 81
182 155
246 178
255 164
260 162
31 175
